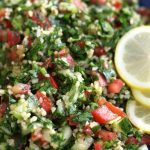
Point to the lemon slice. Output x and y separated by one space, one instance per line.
142 97
139 116
132 57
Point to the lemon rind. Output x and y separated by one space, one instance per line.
122 72
134 120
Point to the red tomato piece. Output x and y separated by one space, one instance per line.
3 108
115 86
40 76
120 82
106 135
6 23
98 146
87 93
37 136
81 44
61 53
99 2
87 130
30 41
117 5
101 79
115 109
3 36
101 101
48 63
132 140
145 139
21 88
70 60
103 115
99 51
40 19
53 82
70 122
12 55
44 101
2 12
11 37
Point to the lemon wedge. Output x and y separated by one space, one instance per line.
139 116
142 97
132 58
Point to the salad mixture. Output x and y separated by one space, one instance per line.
59 89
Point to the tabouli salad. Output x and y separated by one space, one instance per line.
59 89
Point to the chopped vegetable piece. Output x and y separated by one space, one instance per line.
44 101
103 115
97 146
115 86
106 135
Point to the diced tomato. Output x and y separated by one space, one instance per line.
99 2
6 23
2 12
40 76
111 107
12 55
70 122
3 108
70 60
38 137
40 19
117 5
101 79
61 53
106 135
3 36
87 130
81 44
120 82
115 86
53 82
132 140
97 146
145 139
87 93
44 101
48 63
29 41
99 51
101 101
21 88
115 109
79 4
103 115
11 37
